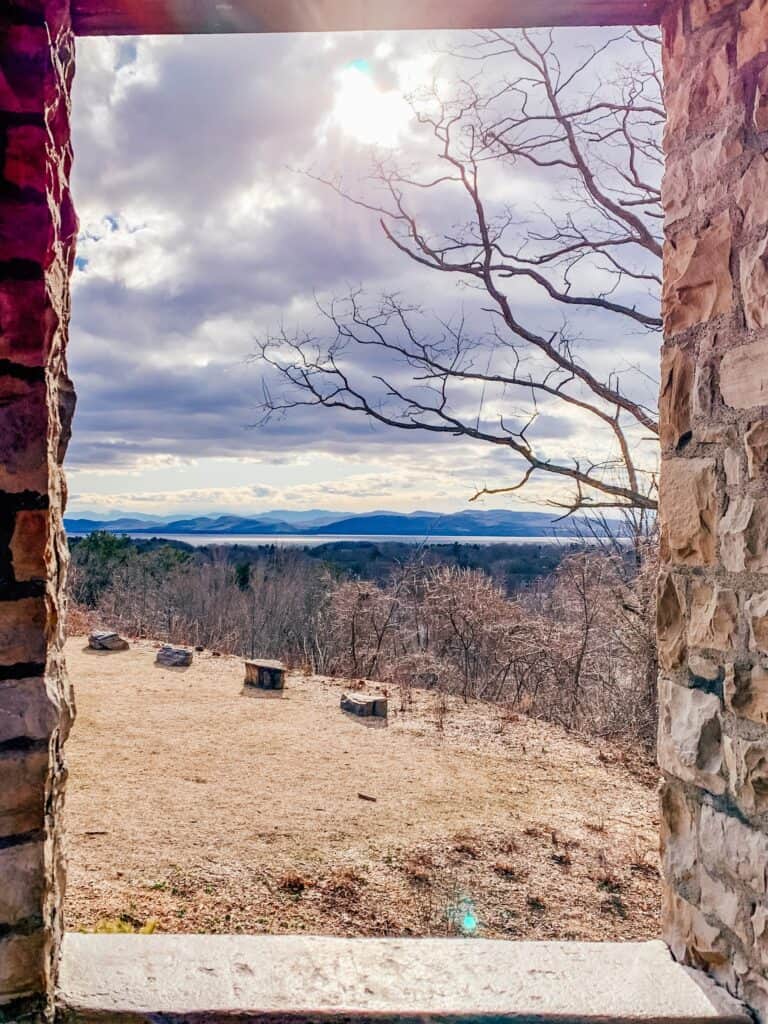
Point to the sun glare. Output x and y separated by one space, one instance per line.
365 112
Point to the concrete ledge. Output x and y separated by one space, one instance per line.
205 979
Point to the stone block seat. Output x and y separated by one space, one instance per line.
264 674
212 979
364 705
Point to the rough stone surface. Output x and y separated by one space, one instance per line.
756 444
37 232
690 736
670 623
174 657
677 369
688 511
106 640
697 278
211 978
713 616
365 705
713 597
746 692
744 374
744 535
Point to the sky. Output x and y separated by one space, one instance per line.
202 232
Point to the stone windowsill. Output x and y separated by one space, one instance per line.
205 979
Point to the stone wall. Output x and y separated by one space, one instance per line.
713 589
37 231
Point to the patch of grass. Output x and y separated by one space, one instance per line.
615 905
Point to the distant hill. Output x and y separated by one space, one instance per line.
491 523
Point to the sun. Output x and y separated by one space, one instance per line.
366 113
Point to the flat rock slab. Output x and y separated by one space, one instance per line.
105 640
174 657
265 675
366 705
220 978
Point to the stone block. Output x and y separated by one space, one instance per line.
744 376
670 622
754 282
756 610
23 874
752 193
265 674
747 768
173 657
676 192
23 966
23 784
732 849
24 163
26 231
744 535
760 105
692 939
690 736
23 631
688 511
698 284
29 545
752 39
679 853
746 692
714 615
756 444
27 322
23 435
723 902
712 156
106 640
365 705
677 369
28 710
703 10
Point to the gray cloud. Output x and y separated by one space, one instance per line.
171 139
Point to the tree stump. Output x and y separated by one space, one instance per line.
265 675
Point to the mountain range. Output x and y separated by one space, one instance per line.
320 522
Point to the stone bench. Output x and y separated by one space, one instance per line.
220 979
262 674
365 705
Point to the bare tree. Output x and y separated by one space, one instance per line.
593 249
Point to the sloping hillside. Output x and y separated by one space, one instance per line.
203 810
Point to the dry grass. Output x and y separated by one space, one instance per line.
197 809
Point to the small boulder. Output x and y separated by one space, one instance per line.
105 640
174 657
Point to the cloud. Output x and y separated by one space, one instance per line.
200 234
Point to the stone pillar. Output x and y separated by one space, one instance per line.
713 588
37 232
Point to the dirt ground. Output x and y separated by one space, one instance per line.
192 807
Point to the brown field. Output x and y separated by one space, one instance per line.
194 808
